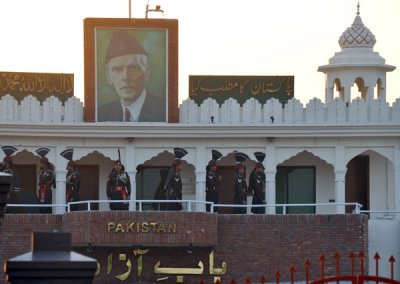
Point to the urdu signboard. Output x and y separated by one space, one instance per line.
39 85
241 88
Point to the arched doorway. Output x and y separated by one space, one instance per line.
305 179
150 180
357 181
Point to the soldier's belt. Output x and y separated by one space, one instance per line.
118 188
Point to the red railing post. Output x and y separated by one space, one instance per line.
392 261
277 276
322 260
292 270
377 258
248 281
361 257
233 281
263 279
352 256
202 282
307 266
218 282
337 258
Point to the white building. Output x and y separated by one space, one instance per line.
343 150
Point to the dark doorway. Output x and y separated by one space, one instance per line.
226 188
89 185
357 182
26 177
295 185
150 183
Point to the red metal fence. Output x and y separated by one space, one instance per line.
354 278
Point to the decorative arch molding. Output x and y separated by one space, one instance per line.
23 154
89 153
327 154
32 150
108 152
146 155
227 153
387 152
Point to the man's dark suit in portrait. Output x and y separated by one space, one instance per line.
127 70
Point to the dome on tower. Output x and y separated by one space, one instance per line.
357 35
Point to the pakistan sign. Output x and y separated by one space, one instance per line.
241 88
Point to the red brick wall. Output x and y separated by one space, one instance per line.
249 244
202 228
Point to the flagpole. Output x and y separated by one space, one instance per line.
130 7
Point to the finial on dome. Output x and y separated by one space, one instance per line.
358 8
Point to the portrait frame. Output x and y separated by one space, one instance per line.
158 37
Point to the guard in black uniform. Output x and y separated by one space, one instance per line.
257 184
240 189
73 180
212 180
47 180
119 187
173 182
7 166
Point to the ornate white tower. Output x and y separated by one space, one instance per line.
356 63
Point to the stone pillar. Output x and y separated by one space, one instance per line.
270 190
396 185
270 175
347 94
60 171
59 192
329 94
340 173
340 193
130 168
370 94
200 190
201 176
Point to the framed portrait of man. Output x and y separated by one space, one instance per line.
131 70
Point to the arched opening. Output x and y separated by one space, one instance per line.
378 89
302 179
226 169
338 90
358 90
151 176
370 182
94 169
25 171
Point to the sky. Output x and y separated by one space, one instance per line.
216 37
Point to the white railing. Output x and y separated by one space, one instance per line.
138 205
273 112
381 213
337 112
356 210
30 110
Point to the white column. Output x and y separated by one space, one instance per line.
60 165
200 172
270 190
347 94
270 175
130 168
370 94
340 173
340 193
397 180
